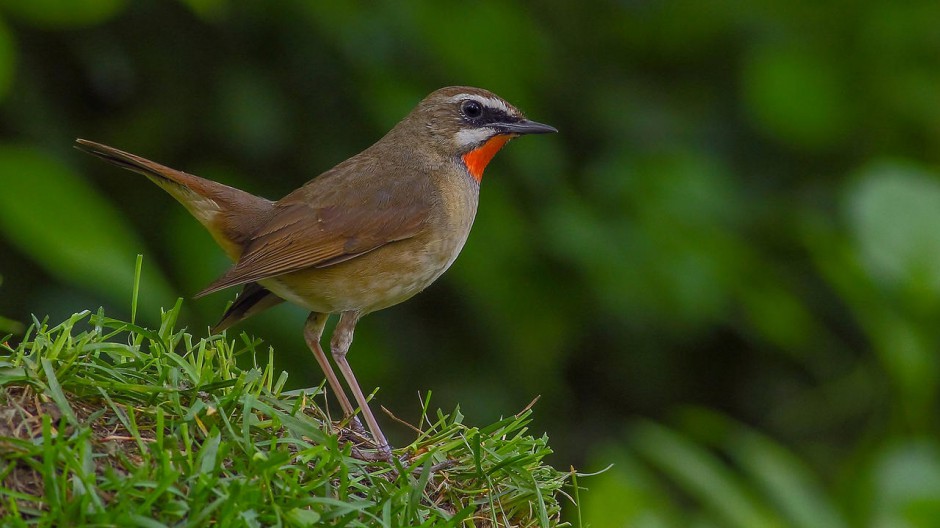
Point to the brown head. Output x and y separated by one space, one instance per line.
470 124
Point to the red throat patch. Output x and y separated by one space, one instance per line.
477 159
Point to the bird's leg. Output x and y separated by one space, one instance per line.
339 345
313 330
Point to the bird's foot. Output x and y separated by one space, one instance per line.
356 425
408 458
382 453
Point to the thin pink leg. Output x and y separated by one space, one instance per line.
339 345
313 330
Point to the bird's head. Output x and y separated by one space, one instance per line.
470 124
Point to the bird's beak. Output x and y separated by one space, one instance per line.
526 127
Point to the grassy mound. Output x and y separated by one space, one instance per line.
105 422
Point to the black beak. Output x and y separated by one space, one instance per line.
526 127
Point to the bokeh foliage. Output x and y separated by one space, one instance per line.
722 275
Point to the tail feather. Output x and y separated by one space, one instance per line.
231 215
253 298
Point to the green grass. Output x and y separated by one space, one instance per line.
106 423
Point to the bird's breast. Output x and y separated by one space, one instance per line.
394 272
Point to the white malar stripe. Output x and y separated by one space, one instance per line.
473 136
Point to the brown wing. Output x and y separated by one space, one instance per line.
327 222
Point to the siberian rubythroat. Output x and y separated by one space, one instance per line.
367 234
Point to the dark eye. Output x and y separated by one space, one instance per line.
471 109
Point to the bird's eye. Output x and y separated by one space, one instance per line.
471 109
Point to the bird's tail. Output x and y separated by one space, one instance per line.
229 214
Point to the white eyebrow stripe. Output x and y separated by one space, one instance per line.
489 102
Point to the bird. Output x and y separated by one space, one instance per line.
368 234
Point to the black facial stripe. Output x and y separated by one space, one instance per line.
490 116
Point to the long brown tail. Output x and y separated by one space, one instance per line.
229 214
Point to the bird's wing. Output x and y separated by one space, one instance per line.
322 225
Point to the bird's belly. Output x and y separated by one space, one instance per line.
384 277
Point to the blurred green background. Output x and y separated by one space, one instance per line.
722 276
